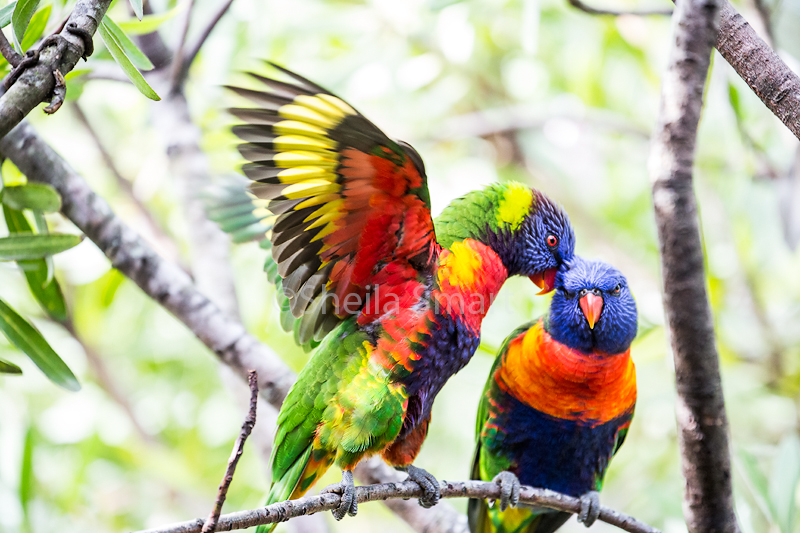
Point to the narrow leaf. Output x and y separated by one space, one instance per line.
42 229
122 60
31 246
36 27
149 23
38 272
5 14
136 56
27 339
9 368
26 475
755 480
783 482
36 196
136 5
20 19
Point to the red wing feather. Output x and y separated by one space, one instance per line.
349 200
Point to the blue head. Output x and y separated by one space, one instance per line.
593 309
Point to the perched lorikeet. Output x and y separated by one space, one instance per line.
558 401
397 307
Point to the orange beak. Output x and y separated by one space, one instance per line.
592 306
545 280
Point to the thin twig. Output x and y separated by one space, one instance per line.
280 512
702 421
211 523
8 51
765 16
523 117
578 4
155 229
176 78
107 382
194 49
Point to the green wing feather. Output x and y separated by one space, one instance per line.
247 219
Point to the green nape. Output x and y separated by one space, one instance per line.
498 207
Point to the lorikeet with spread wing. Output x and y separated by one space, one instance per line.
558 402
396 307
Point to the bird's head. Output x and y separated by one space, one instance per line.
530 233
593 309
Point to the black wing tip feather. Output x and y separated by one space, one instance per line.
298 78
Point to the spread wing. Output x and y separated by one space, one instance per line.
349 201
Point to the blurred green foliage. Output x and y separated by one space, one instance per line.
531 90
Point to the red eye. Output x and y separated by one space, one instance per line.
552 241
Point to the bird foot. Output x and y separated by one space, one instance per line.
509 489
347 488
590 508
428 484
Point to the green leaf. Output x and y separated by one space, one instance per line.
20 19
136 56
9 368
755 479
26 475
76 73
138 10
119 56
41 229
149 23
783 482
36 27
36 196
38 272
5 14
31 246
27 339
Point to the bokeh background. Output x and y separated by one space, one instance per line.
486 90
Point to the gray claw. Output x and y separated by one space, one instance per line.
428 484
509 489
590 508
347 488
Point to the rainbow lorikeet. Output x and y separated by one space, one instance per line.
396 306
558 401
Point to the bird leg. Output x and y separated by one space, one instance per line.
590 508
428 484
347 489
509 489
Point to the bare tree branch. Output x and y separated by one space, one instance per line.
283 511
247 427
702 423
38 82
8 51
578 4
759 66
195 47
765 17
176 69
108 383
159 279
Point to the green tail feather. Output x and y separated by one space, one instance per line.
246 219
282 489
